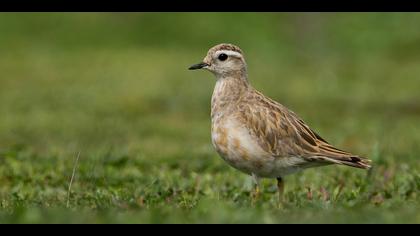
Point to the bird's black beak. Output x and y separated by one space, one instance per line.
198 66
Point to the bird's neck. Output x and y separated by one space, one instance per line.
227 92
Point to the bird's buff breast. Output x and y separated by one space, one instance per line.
237 147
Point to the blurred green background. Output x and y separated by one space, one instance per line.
115 87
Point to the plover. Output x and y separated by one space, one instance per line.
256 134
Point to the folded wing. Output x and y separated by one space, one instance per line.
282 133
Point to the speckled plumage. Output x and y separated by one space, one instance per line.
258 135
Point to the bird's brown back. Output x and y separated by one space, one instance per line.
282 133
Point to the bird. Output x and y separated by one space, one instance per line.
257 135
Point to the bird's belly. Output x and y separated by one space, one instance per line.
240 149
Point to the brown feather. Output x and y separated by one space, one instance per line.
282 133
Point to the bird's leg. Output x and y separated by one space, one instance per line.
280 187
256 193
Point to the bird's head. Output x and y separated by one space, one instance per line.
223 60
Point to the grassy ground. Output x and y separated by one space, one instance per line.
115 88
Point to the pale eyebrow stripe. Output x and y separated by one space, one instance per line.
229 53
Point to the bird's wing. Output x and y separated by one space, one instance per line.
282 133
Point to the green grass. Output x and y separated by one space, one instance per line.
115 87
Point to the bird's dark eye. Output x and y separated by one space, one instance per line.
223 57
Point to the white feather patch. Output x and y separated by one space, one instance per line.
229 53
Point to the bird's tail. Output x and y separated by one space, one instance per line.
353 161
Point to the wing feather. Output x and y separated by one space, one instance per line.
282 133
